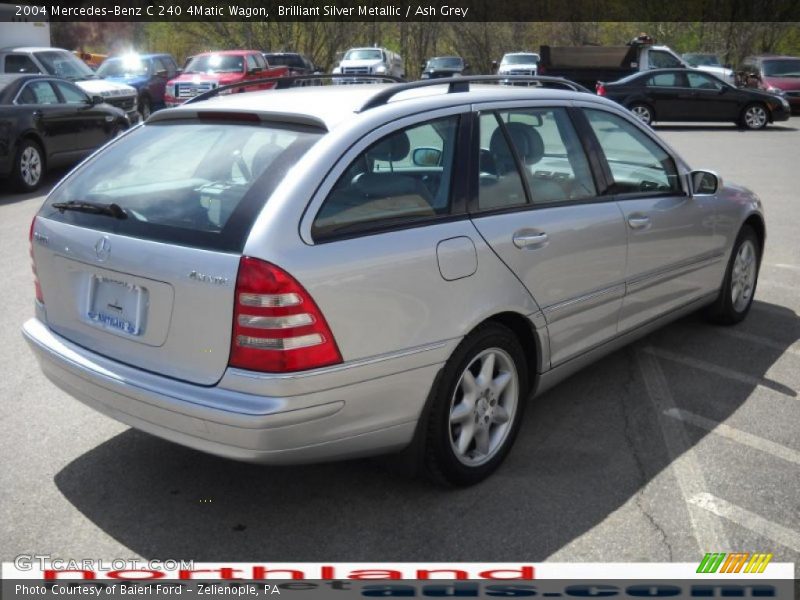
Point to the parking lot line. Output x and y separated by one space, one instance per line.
696 363
758 524
783 266
708 531
768 283
737 435
757 339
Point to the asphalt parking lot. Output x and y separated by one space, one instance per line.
687 442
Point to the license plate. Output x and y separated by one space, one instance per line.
117 305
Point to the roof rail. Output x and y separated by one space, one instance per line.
287 82
461 84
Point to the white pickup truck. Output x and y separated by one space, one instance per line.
369 61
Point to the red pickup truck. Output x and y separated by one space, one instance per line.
209 70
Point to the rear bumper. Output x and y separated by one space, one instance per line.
375 413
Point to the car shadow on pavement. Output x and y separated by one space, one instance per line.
586 448
9 196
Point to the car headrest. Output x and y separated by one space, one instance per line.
527 141
392 149
264 157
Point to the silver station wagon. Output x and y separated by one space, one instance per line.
327 272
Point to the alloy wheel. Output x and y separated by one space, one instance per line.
30 166
483 407
755 117
642 113
743 276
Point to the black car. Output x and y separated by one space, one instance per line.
295 62
689 95
444 66
47 122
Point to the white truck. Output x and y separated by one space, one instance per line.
589 64
22 25
369 61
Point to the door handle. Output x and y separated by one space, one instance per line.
639 222
526 240
37 114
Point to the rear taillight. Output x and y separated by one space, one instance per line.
277 326
600 88
36 285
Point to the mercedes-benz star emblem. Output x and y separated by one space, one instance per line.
102 248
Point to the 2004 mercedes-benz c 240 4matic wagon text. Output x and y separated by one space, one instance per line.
326 272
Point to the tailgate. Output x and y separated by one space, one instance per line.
159 307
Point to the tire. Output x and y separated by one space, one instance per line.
754 116
474 418
739 286
145 107
29 166
643 112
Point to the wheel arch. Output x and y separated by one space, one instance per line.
34 137
529 338
756 221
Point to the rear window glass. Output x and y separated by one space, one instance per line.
199 183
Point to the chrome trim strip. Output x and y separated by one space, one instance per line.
616 290
654 278
344 366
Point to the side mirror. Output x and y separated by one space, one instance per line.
466 66
422 66
705 183
97 100
728 65
427 157
255 70
161 73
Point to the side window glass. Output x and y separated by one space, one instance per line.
663 80
663 60
500 184
637 163
71 94
19 63
26 96
260 61
158 65
43 92
698 81
251 62
552 157
404 177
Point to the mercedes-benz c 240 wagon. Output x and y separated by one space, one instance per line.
327 272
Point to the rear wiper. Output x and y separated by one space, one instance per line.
95 208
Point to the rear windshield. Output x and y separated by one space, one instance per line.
216 63
199 184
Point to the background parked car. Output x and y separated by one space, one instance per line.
210 70
443 66
148 73
777 74
518 63
690 95
706 61
294 61
369 61
47 122
64 64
